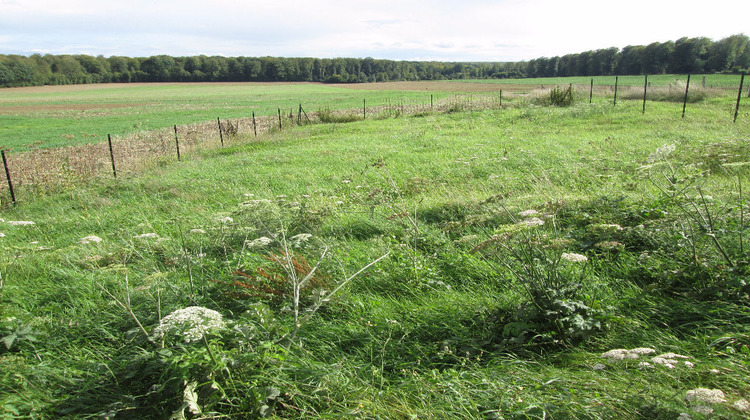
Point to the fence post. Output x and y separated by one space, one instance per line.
364 109
739 95
431 101
684 102
279 119
591 90
255 129
112 155
221 135
645 85
616 80
7 176
501 98
177 142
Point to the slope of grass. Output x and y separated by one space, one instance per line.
472 313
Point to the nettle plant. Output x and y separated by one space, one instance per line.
556 311
709 232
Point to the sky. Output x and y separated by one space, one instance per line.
419 30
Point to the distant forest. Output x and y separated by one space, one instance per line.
685 55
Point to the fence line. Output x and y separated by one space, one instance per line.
44 170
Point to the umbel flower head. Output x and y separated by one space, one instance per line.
191 323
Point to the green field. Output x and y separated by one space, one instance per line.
722 81
54 116
444 275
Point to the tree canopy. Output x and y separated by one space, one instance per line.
685 55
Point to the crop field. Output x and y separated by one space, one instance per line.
58 116
721 81
528 261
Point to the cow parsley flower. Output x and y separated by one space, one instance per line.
191 323
258 243
90 239
741 405
573 257
300 240
528 213
661 153
20 223
534 221
705 395
150 235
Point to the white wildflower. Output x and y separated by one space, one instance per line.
705 395
225 220
300 240
644 365
715 371
258 243
90 239
684 416
573 257
662 153
642 350
673 356
528 213
197 231
253 203
20 223
439 284
248 195
347 181
689 364
616 354
534 221
610 245
703 409
151 235
2 235
741 405
670 360
599 366
191 323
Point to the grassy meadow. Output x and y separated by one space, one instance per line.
59 116
524 262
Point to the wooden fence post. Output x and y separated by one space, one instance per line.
684 102
501 98
364 109
255 129
431 101
7 176
591 90
221 135
177 142
739 95
112 155
279 119
616 80
645 85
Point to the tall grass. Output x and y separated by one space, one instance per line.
474 210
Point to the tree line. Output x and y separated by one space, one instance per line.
686 55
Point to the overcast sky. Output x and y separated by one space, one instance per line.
442 30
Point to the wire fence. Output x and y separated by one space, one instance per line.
47 170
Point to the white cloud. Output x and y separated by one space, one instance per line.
504 30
